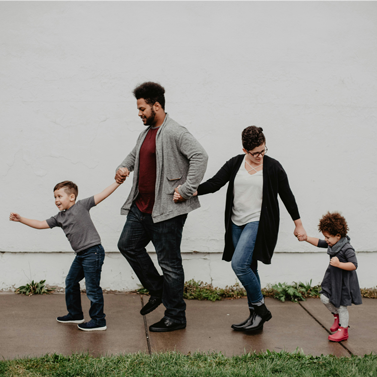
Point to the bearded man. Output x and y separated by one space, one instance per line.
166 156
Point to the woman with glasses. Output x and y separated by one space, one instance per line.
252 217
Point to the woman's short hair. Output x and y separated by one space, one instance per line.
252 137
334 224
69 188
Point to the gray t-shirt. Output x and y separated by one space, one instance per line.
77 225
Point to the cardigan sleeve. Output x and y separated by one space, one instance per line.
286 194
218 180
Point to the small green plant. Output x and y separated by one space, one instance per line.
283 291
34 288
309 290
142 291
295 292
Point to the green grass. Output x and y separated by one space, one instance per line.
198 364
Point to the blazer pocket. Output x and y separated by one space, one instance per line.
172 184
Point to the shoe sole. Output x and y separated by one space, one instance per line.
72 321
238 328
255 330
157 329
103 328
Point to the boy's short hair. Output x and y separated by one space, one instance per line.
333 223
151 92
69 188
252 137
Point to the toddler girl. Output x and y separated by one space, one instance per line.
340 286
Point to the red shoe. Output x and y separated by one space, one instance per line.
341 334
335 325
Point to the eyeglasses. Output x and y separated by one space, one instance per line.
257 154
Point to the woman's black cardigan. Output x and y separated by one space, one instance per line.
275 181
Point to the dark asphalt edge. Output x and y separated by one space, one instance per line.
341 343
147 338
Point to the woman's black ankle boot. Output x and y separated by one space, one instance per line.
248 322
260 316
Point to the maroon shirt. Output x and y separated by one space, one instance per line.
147 173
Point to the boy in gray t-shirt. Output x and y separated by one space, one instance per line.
77 225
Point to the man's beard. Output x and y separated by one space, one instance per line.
150 121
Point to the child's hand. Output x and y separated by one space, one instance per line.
15 217
334 262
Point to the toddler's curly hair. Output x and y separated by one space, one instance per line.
333 223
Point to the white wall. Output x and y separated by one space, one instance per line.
304 71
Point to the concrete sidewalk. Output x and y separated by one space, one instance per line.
29 328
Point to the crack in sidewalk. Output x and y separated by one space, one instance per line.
341 343
146 329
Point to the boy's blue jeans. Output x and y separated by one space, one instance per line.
166 237
243 265
87 264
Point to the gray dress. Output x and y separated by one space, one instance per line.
341 287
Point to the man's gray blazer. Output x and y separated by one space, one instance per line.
180 160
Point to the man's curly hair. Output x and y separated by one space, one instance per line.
151 92
333 223
252 137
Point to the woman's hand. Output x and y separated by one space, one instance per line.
178 197
299 231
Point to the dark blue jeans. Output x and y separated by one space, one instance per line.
243 265
87 264
166 237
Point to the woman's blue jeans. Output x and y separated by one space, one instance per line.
87 264
243 265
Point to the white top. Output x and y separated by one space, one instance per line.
247 196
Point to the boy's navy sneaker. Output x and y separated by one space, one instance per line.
91 326
69 318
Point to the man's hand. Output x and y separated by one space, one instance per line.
15 217
121 175
177 198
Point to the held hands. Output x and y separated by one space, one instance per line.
300 233
121 175
15 217
334 262
177 197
